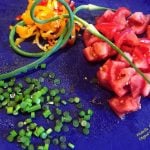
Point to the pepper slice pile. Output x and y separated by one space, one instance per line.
49 32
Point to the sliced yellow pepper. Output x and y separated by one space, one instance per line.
25 31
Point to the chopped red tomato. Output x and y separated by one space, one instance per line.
139 59
121 58
101 49
146 89
127 49
106 17
98 50
86 37
138 22
144 41
108 29
124 105
120 17
103 74
90 54
136 85
93 39
148 32
120 77
126 37
144 47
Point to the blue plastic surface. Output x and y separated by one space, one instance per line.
108 132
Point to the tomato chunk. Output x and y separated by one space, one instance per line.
120 17
140 59
126 37
121 58
148 32
120 81
108 29
106 17
146 89
124 105
90 54
137 85
138 22
101 49
86 37
103 74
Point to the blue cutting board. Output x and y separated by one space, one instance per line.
108 132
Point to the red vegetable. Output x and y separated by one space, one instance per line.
120 77
108 29
126 37
103 74
136 85
122 28
90 54
89 39
148 32
138 22
124 105
106 17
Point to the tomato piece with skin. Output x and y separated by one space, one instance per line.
126 37
103 75
144 47
146 88
86 37
120 17
108 29
144 41
124 105
120 77
106 17
138 22
121 58
101 49
89 54
89 39
148 32
140 59
93 39
127 48
136 85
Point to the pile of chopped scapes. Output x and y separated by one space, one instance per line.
33 99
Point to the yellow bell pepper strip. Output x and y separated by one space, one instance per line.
25 31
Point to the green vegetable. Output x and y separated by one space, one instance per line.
47 113
86 131
31 147
70 145
43 66
34 108
55 141
75 123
